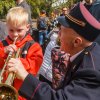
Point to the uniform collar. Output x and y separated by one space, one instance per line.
74 56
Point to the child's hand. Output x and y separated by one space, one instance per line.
11 48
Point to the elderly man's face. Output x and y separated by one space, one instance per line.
66 38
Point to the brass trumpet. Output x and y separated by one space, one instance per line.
7 91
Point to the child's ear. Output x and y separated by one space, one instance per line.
28 26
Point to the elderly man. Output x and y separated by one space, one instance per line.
64 11
82 80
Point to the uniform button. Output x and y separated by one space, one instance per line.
86 53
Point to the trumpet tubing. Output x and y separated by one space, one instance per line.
7 91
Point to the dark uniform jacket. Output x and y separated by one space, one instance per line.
84 85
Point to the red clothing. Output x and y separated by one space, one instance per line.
33 59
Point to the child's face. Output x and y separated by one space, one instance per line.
19 31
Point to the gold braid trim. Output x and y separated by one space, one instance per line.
81 23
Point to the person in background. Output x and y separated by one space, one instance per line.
31 52
53 22
65 11
26 6
45 72
78 31
42 25
3 30
95 11
88 3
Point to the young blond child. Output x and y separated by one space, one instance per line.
18 26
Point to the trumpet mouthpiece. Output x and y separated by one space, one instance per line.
15 39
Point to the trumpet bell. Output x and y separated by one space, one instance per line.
8 92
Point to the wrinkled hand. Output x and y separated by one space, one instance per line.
11 48
16 66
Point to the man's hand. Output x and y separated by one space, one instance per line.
16 66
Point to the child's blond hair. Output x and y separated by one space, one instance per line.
17 16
